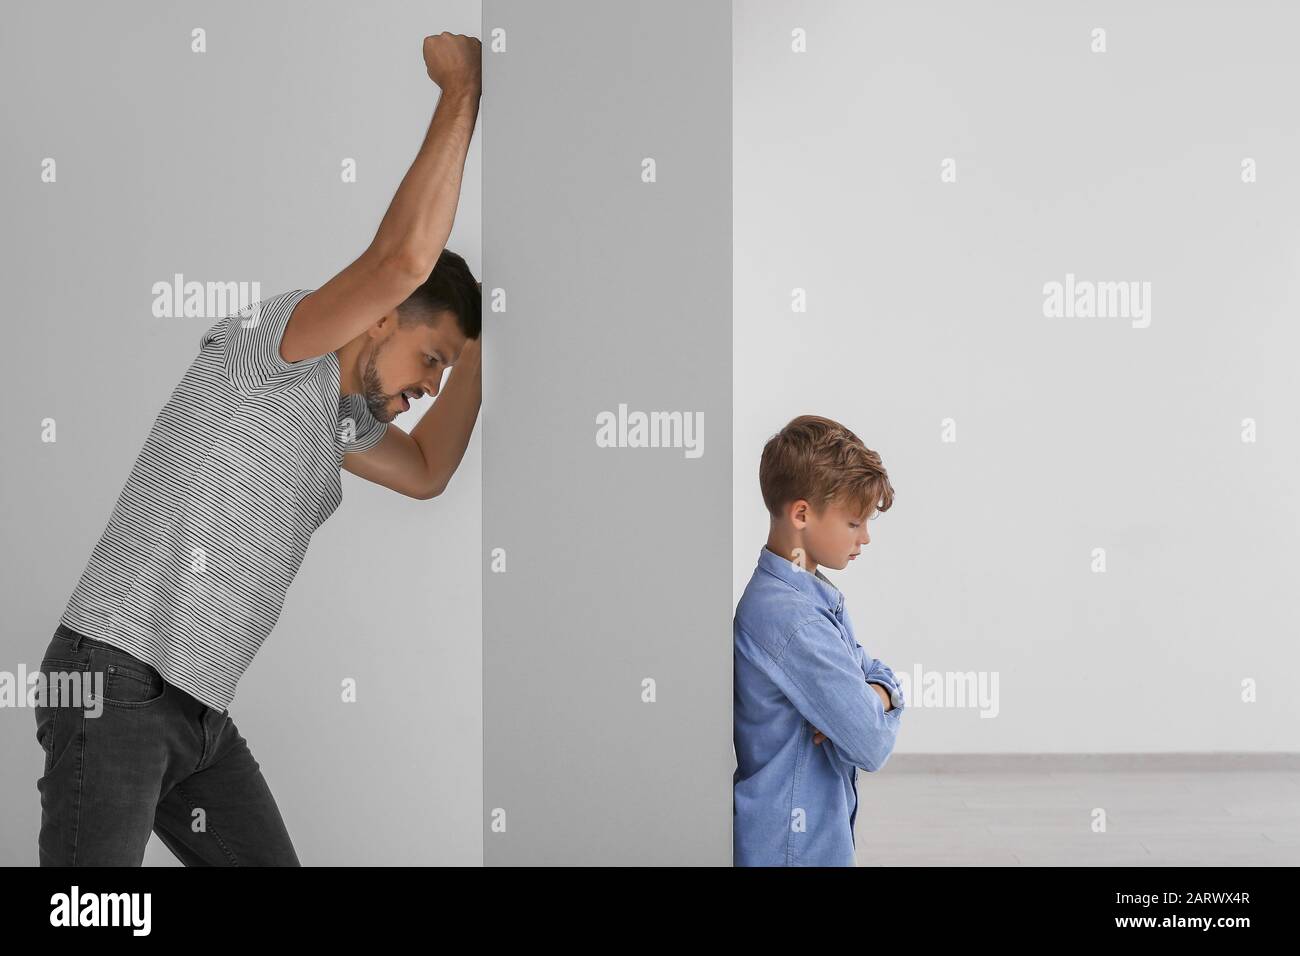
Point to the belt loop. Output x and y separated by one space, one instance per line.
76 639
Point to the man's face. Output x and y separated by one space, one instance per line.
407 362
834 537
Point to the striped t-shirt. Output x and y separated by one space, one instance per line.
240 467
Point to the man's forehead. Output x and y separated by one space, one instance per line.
439 331
446 339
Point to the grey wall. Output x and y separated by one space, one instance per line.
616 571
225 166
925 303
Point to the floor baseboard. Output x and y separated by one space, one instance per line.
1091 762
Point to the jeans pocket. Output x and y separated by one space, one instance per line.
128 681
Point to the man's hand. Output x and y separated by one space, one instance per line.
471 355
454 62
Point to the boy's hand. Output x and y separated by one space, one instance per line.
818 736
884 695
454 62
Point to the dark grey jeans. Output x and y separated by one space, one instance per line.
149 758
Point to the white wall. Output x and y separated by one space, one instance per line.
925 303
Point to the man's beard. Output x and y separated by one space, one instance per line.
375 398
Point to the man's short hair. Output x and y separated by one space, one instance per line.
451 287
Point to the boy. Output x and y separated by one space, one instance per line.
810 705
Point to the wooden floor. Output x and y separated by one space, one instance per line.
1026 816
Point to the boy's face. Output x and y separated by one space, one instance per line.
833 538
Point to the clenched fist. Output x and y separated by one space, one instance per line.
454 62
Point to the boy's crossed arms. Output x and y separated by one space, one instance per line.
828 685
874 667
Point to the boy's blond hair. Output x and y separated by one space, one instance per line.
821 461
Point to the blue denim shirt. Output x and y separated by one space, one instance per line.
799 667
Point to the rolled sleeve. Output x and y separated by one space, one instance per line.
878 672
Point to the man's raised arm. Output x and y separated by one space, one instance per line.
418 222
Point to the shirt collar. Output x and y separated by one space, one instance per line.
814 585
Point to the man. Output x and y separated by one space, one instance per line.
239 469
